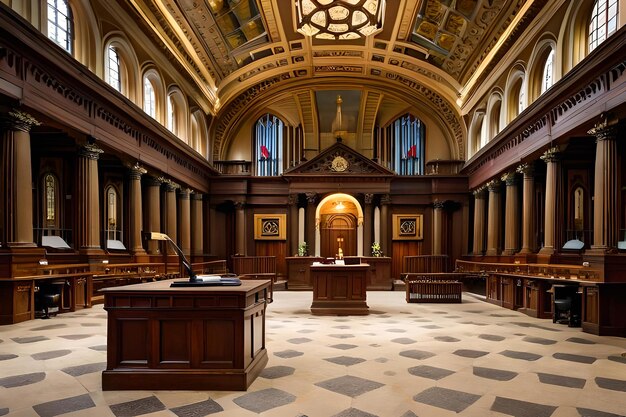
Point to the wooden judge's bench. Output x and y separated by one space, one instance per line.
185 338
339 289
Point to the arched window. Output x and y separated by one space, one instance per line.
177 115
60 24
51 201
477 132
269 131
171 114
149 98
603 22
407 134
113 73
548 72
515 100
495 106
112 221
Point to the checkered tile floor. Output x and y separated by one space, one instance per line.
403 360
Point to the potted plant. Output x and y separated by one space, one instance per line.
302 249
376 250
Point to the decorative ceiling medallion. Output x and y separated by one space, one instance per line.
339 19
339 164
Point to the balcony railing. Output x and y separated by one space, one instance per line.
239 167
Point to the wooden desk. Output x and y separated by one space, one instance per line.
185 338
339 289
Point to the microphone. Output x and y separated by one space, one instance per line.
194 280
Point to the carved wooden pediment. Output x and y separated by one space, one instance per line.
339 160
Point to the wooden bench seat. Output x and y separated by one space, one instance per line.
434 291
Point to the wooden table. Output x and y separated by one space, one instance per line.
339 289
185 338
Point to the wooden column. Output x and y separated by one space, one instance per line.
368 223
240 227
605 199
437 239
550 157
511 219
184 223
385 201
528 209
170 214
493 219
153 206
479 222
16 192
88 200
310 223
293 224
135 241
197 225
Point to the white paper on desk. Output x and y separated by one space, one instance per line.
208 278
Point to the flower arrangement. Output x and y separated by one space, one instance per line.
376 250
302 249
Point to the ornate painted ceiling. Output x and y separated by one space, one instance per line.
429 52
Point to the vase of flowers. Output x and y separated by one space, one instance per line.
302 249
376 250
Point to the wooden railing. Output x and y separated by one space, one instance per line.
425 263
256 267
560 271
210 267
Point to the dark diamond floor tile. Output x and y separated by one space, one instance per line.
409 414
4 411
92 324
42 356
417 354
620 359
343 346
203 408
49 327
535 326
519 408
502 315
88 368
354 412
274 372
287 354
574 358
560 380
403 340
345 360
586 412
495 374
76 336
99 348
539 340
432 327
137 407
381 360
612 384
581 341
447 399
475 323
448 339
6 357
299 340
21 380
491 337
29 339
342 327
468 353
260 401
342 336
66 405
525 356
430 372
396 330
304 331
351 386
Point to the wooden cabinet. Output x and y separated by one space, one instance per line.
379 273
185 338
339 289
299 272
603 309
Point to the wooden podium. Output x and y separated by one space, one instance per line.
339 289
185 338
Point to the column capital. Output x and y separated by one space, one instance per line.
509 178
494 186
438 204
239 205
184 193
385 199
604 130
551 155
292 199
479 192
527 169
311 198
154 181
368 198
18 120
170 186
195 195
136 171
90 151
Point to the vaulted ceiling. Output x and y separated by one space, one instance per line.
428 52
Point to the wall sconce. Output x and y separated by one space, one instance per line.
339 19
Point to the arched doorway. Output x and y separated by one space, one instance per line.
339 224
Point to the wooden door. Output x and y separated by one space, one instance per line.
338 230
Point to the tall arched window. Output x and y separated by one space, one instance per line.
149 98
171 114
51 201
407 135
269 145
603 22
60 24
112 226
113 73
548 72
